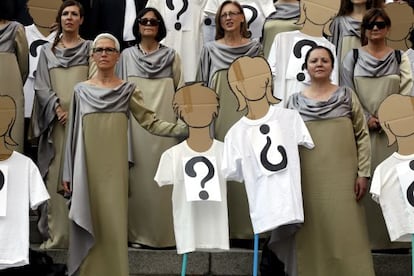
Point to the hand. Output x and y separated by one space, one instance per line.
360 188
61 115
66 187
373 123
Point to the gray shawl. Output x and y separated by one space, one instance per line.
46 99
216 56
158 64
338 105
341 27
285 11
7 35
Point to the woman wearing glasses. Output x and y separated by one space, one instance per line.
156 70
62 64
232 41
374 71
96 163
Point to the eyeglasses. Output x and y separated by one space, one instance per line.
380 25
230 14
149 22
108 51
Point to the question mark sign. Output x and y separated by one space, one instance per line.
254 14
297 51
1 180
410 190
170 5
264 129
189 169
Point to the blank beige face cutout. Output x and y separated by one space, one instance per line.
396 115
7 119
402 21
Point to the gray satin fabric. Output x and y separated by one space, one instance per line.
344 26
158 64
338 105
7 35
216 56
86 99
46 99
285 11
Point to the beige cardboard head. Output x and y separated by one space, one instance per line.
402 21
396 115
317 15
7 119
44 13
250 80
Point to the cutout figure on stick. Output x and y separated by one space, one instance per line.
199 193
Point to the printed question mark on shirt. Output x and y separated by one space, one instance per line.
189 170
1 180
254 14
170 5
34 45
410 190
264 129
297 51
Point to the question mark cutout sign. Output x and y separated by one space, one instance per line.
264 129
170 5
255 19
200 170
410 190
2 180
297 51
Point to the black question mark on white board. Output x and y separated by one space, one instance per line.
189 170
254 14
1 180
170 5
264 129
34 45
410 190
297 51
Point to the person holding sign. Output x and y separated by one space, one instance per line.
193 167
98 183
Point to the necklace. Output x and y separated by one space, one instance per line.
75 42
146 52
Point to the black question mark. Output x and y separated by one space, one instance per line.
34 45
189 170
1 180
254 14
410 190
297 51
264 129
170 5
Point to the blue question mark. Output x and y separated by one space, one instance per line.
189 170
170 5
297 51
264 129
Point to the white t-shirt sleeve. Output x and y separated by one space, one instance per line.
303 136
38 191
165 172
375 189
231 165
211 7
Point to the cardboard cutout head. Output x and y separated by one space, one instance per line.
402 18
250 79
44 13
396 116
197 105
317 15
7 119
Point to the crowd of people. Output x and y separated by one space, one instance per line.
102 116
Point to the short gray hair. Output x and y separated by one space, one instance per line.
108 36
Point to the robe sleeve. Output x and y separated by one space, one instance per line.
148 120
406 80
361 138
347 72
178 72
22 53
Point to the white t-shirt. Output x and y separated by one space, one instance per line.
25 188
275 197
35 40
286 58
198 225
386 190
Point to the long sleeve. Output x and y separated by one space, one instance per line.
347 72
406 80
148 120
361 137
178 72
22 53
